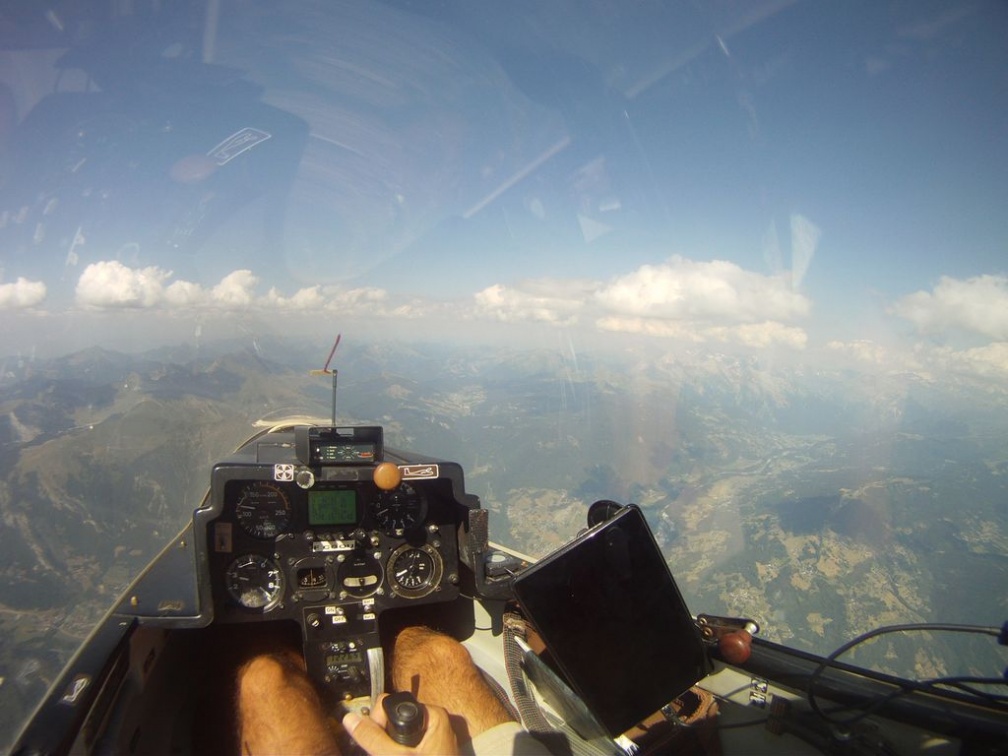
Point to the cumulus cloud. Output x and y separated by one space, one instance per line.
862 350
761 335
978 304
367 295
718 290
668 329
755 335
236 290
21 294
546 300
184 294
988 363
111 285
679 299
328 298
311 297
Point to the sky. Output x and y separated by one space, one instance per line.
781 177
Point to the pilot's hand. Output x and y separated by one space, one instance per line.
438 739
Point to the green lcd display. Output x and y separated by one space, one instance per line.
332 507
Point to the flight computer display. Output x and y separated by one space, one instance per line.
328 452
351 445
332 507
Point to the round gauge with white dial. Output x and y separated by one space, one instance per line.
255 582
263 509
415 571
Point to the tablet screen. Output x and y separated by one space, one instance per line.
614 621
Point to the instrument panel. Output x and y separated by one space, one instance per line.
276 545
326 547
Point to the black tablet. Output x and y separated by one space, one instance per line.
614 621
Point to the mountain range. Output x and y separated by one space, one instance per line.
820 503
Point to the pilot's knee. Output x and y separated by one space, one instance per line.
434 648
264 674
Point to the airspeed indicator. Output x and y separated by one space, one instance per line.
263 510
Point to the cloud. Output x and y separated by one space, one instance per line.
184 294
368 295
667 329
679 299
21 294
303 299
755 335
543 300
718 290
978 305
989 361
761 335
863 350
236 290
110 284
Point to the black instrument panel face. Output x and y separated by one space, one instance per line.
276 545
297 530
266 510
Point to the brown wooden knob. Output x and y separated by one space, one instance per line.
736 647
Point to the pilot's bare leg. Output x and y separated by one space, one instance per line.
279 710
438 670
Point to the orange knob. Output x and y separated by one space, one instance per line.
387 476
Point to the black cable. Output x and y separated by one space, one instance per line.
740 725
906 687
923 686
961 684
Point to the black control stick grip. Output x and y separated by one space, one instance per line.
406 721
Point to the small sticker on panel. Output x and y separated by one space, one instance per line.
283 473
222 537
334 545
419 471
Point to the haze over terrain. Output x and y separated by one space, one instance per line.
820 503
742 263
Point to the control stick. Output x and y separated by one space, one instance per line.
406 720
